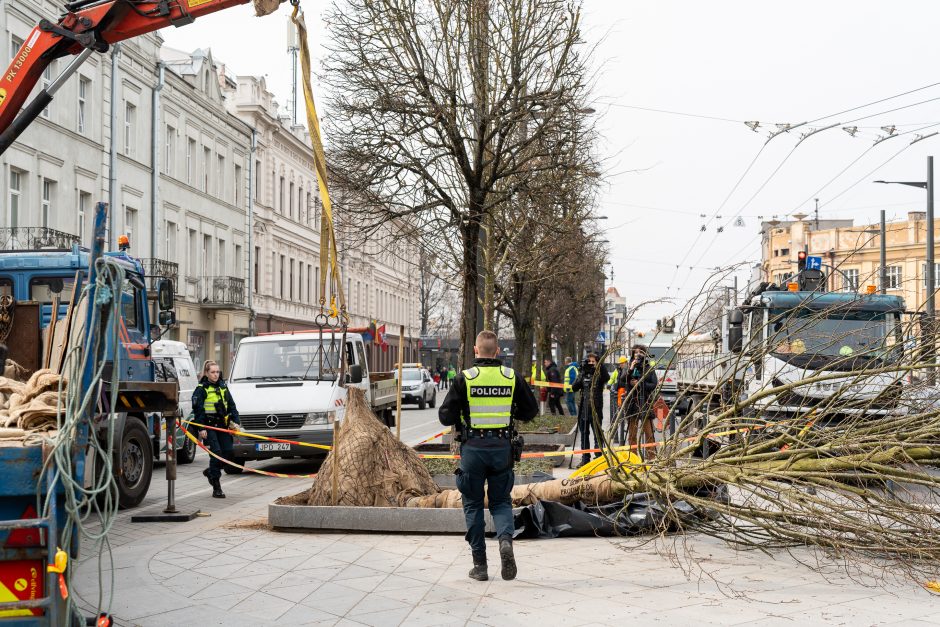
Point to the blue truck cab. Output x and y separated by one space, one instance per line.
35 282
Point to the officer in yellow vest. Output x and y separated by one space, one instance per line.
481 405
571 375
214 406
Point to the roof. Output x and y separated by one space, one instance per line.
826 300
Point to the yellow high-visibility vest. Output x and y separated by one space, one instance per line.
489 393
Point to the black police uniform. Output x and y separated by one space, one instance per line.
225 417
486 457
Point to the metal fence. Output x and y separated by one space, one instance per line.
157 269
35 238
222 290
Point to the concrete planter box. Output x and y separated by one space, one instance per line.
371 519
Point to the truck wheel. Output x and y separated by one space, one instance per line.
388 417
133 464
232 470
433 402
187 453
422 403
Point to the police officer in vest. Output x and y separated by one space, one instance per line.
214 406
482 404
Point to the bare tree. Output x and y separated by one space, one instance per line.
440 108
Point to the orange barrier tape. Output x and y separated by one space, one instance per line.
266 473
433 437
545 384
258 437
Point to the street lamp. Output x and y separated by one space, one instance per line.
929 277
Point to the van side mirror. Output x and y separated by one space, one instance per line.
355 373
167 318
165 297
735 330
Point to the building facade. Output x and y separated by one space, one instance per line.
379 276
214 187
851 254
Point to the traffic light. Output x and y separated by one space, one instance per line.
801 261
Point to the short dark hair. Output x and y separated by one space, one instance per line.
487 343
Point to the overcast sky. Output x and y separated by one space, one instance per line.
782 62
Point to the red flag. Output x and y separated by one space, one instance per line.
380 336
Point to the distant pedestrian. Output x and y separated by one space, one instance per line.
553 375
451 375
214 406
437 379
617 393
640 381
591 382
443 377
570 376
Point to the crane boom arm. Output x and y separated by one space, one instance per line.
88 25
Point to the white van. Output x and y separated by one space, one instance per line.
285 386
172 362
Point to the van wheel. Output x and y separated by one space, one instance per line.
187 454
133 464
422 403
433 402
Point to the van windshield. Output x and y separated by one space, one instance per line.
299 359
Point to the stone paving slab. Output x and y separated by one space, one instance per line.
229 568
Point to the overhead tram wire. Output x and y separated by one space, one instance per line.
754 160
860 180
679 113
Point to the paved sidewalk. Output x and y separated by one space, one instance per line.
225 570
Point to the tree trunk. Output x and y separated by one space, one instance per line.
489 277
471 295
522 361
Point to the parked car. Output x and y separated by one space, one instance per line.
417 386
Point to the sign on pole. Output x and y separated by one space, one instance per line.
814 263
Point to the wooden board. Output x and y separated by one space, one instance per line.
25 341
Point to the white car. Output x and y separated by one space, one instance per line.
417 386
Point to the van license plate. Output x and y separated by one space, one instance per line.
272 446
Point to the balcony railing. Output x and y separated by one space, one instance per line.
222 290
35 238
157 269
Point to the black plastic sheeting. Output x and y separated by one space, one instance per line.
637 514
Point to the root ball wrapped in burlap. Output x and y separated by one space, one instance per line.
375 468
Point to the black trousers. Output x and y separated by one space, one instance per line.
492 467
220 444
554 404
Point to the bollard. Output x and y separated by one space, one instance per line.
170 465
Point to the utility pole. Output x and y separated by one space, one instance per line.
292 50
882 267
817 213
931 280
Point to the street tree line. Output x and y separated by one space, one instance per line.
465 123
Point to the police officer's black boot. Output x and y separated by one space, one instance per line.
478 571
217 492
507 559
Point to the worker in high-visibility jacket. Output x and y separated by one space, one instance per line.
214 406
541 391
482 404
570 376
617 391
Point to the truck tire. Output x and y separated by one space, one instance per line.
232 470
388 417
187 453
133 464
422 402
433 402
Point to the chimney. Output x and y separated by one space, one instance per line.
914 218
